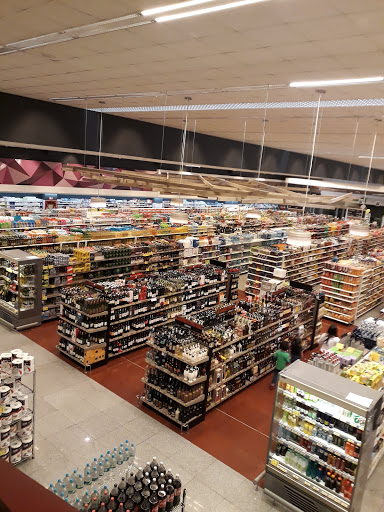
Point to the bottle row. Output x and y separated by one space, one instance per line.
172 365
173 386
171 408
79 336
316 471
94 322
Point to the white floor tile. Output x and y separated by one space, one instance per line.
104 399
53 423
69 439
98 425
193 459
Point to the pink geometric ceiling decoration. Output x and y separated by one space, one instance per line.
46 174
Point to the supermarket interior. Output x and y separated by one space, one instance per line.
191 256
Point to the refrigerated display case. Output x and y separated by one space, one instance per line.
322 435
20 289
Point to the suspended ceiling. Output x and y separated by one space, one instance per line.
274 42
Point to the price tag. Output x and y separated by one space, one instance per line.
324 493
315 488
45 308
274 462
307 484
295 477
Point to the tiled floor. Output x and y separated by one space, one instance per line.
79 417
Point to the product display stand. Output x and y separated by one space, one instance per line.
121 329
20 294
351 288
322 435
304 265
17 407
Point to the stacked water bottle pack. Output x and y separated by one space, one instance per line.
112 483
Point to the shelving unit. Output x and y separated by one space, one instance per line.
20 291
161 310
352 288
304 265
302 466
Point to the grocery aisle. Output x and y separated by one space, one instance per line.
227 432
76 417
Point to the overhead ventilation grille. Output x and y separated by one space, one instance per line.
300 500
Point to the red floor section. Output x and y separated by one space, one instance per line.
236 433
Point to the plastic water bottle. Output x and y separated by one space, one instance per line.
104 494
51 488
107 465
127 443
95 500
65 491
100 470
120 458
74 475
126 455
59 486
62 496
94 474
55 491
113 462
87 468
101 459
79 482
77 504
87 478
86 498
66 479
71 487
132 453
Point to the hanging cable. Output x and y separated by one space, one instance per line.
263 137
242 152
313 147
353 149
163 131
370 166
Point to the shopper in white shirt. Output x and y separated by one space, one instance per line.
329 338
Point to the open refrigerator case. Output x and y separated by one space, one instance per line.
322 436
20 289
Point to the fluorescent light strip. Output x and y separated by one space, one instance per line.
173 7
345 81
374 157
376 102
207 10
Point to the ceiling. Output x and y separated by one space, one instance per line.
271 43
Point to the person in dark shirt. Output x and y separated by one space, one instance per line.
296 349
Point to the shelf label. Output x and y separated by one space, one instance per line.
358 399
274 462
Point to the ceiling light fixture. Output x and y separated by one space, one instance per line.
374 102
207 10
345 81
374 157
173 7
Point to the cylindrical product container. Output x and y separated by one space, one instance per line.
4 454
16 410
5 436
17 383
15 353
23 355
6 362
23 399
6 416
26 447
17 367
5 394
13 431
26 425
29 364
15 452
10 383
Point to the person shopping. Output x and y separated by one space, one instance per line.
329 338
281 357
296 349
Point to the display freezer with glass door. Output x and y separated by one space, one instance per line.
321 440
20 288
